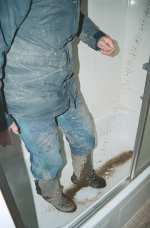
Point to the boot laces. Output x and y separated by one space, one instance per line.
92 175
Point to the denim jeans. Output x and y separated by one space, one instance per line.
35 77
41 138
35 38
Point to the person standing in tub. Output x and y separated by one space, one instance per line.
41 92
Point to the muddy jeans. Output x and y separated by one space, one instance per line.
41 138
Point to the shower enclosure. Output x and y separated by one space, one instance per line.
117 92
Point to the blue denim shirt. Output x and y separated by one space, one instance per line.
35 38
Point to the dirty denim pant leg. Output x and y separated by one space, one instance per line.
41 138
78 126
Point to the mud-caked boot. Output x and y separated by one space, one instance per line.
83 172
51 190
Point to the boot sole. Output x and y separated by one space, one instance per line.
65 211
49 201
75 181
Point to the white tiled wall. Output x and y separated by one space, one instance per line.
111 84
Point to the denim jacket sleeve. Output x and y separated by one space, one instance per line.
12 14
88 32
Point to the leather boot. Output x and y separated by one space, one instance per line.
51 190
83 172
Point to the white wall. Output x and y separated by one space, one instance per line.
111 84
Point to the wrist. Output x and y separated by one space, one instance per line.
98 35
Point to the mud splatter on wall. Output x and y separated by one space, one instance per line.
135 49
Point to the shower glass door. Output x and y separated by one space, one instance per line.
142 145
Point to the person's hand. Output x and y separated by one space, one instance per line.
5 136
108 46
13 127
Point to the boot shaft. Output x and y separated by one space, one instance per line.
82 165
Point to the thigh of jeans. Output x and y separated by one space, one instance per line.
78 125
